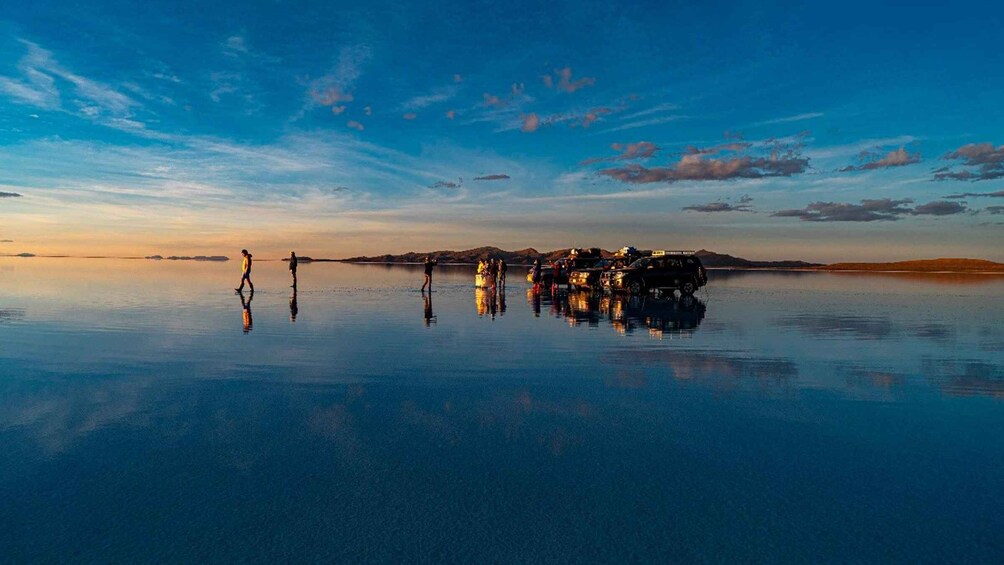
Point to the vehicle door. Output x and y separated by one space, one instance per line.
655 273
672 273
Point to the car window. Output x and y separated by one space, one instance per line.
641 263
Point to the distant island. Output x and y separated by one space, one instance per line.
710 259
188 258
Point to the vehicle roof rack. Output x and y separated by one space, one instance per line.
662 252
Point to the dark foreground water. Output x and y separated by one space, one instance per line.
146 414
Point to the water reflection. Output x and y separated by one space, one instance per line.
247 319
430 318
490 301
665 315
294 308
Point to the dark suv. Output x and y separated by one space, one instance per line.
681 271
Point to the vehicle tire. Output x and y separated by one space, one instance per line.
635 287
688 288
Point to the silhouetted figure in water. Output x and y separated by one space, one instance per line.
293 308
535 274
430 318
246 314
502 269
292 268
493 272
429 264
245 271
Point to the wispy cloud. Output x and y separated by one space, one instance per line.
436 96
646 123
565 82
998 194
719 207
789 119
336 86
9 195
493 177
627 152
657 109
38 86
895 158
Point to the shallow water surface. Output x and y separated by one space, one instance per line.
147 413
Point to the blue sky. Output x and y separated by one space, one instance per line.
764 129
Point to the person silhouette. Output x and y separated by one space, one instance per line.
245 271
429 264
292 268
294 309
246 311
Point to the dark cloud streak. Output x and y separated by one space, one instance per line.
883 209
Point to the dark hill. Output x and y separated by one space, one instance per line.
526 257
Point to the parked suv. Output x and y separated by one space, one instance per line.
665 270
589 278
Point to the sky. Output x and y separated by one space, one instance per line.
769 130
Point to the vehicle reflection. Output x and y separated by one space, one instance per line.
661 316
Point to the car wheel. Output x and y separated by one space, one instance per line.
688 288
635 287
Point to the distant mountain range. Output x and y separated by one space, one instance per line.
526 256
189 258
710 259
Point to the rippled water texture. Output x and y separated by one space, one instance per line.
147 414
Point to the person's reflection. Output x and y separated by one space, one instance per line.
246 307
481 301
493 305
502 300
533 297
430 318
294 309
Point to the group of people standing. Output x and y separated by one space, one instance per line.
493 271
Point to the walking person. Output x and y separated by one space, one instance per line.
429 264
535 274
502 270
292 268
245 271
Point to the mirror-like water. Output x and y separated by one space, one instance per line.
149 413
